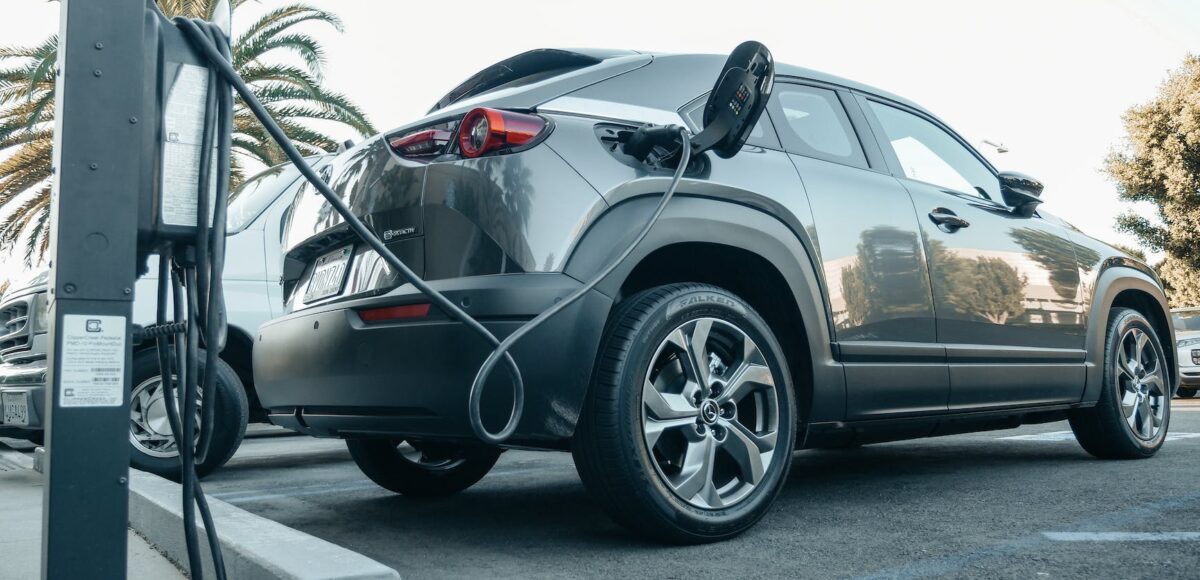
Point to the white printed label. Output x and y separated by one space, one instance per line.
93 361
183 137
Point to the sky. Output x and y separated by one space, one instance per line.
1049 80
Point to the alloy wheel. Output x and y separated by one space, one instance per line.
1141 384
431 456
149 427
710 413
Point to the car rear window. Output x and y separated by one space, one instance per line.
523 69
812 122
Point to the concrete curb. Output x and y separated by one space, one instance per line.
254 547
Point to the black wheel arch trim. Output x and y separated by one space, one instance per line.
747 222
1118 275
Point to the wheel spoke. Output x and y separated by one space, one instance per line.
697 349
1129 403
695 478
747 449
1155 382
665 406
655 428
746 379
1141 340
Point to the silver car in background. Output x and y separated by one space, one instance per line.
1187 342
257 212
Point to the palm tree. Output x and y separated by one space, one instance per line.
293 95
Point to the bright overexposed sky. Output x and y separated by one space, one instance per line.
1049 79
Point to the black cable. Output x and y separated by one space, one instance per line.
214 314
500 348
202 43
485 370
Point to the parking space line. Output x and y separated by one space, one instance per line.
956 562
1070 436
1122 536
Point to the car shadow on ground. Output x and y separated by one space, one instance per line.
519 507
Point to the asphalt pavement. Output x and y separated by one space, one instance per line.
1025 503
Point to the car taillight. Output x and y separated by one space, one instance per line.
486 130
394 312
424 143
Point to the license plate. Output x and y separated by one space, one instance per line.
329 274
16 408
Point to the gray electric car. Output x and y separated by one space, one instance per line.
857 273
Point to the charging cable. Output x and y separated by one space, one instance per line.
500 348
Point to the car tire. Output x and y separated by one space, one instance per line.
422 469
1185 393
642 466
148 452
1131 418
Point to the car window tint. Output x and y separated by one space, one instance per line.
812 122
928 153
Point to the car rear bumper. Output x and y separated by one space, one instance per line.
27 381
325 372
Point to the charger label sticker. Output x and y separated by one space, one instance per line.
93 361
183 137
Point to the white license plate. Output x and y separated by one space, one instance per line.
16 409
329 274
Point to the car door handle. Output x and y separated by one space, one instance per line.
946 220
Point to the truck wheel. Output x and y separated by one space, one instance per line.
1183 393
1130 421
153 448
422 468
688 429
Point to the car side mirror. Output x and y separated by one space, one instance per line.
1021 192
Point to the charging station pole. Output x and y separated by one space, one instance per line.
98 163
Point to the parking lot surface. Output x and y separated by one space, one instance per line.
1025 503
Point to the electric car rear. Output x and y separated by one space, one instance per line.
856 273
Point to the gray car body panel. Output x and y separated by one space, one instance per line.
910 354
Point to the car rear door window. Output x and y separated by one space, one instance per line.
928 153
812 122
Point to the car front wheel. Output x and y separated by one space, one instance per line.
689 425
1131 418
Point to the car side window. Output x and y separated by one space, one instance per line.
928 153
812 122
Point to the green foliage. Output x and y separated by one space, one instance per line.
1132 251
293 95
1160 164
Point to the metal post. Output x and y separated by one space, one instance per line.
97 160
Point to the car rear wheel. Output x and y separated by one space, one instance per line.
1185 393
422 468
1130 420
152 445
689 425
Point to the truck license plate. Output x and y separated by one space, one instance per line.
329 274
16 409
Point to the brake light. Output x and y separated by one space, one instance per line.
394 312
421 143
486 130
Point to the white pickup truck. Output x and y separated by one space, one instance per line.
257 211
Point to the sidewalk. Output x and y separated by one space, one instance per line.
21 527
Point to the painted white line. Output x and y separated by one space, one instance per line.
1069 436
1051 436
1122 536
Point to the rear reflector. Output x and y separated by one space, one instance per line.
486 130
394 312
421 143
